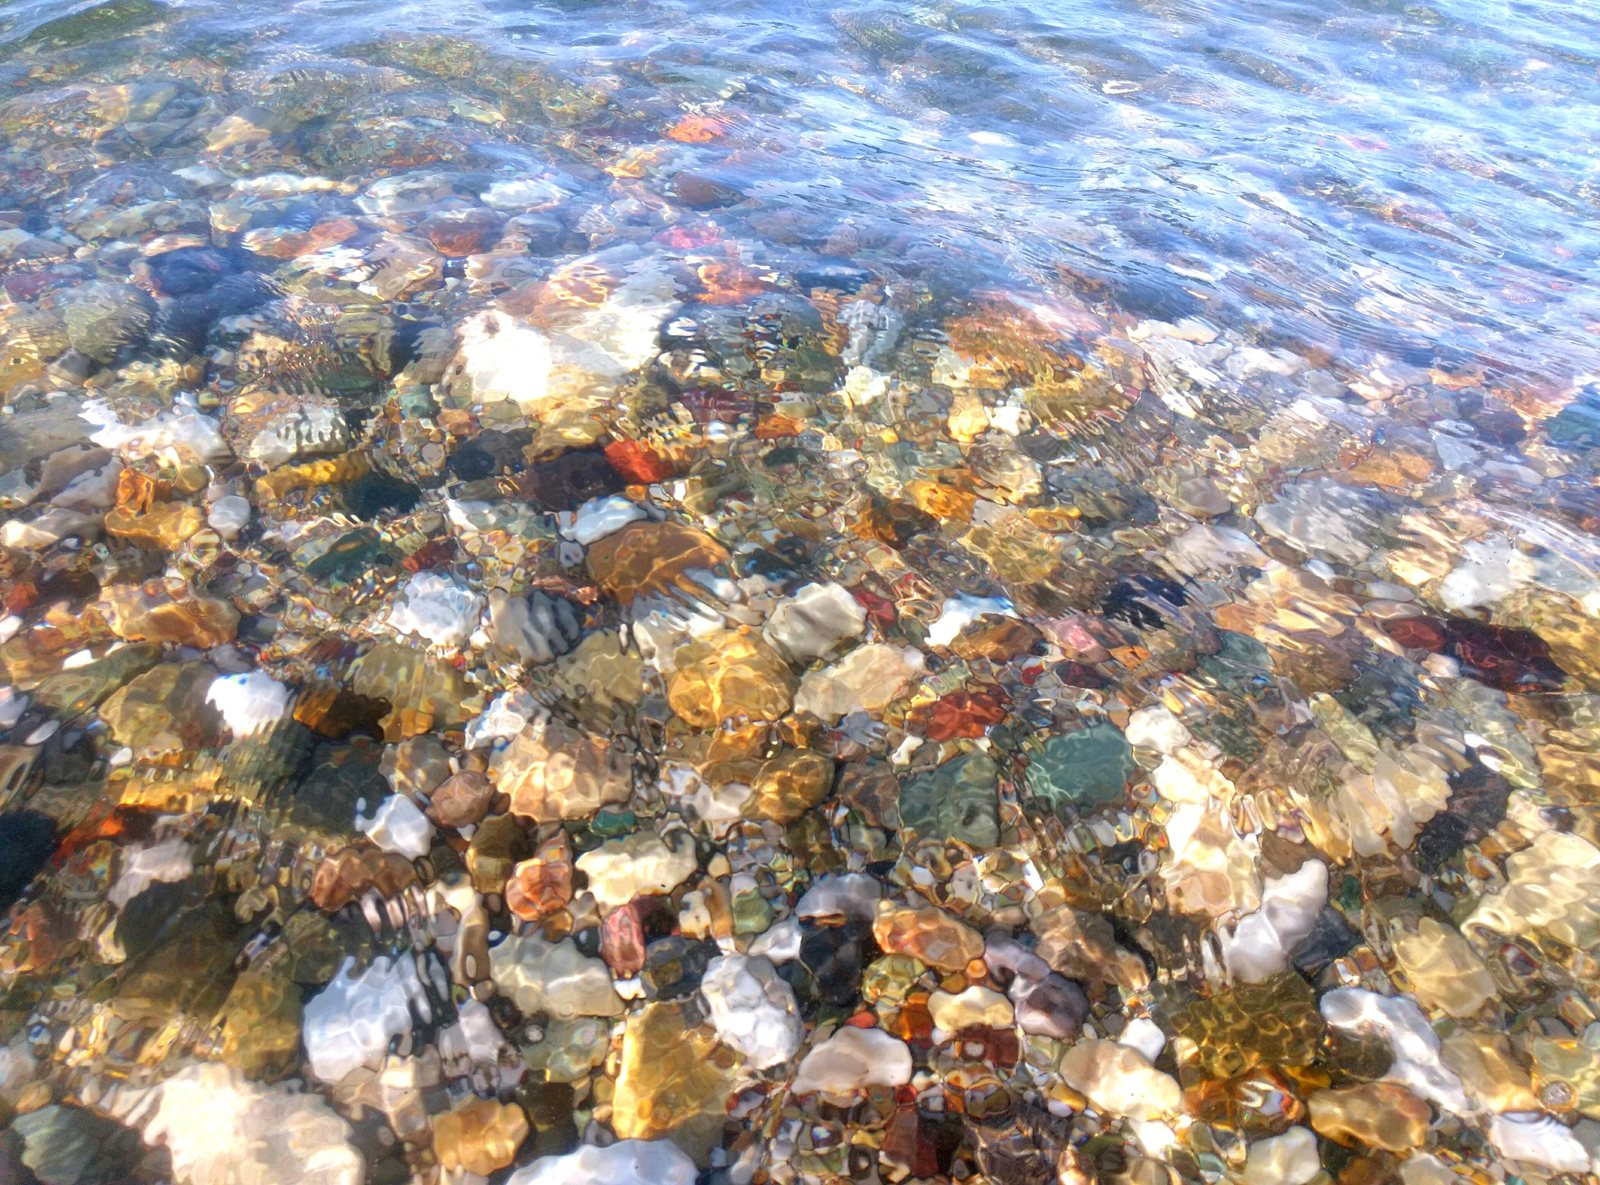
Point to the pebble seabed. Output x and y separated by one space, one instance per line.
583 675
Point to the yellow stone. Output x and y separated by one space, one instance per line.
968 418
927 934
1566 1075
789 785
1488 1069
671 1083
1443 970
730 675
1372 1115
481 1137
552 771
423 691
164 525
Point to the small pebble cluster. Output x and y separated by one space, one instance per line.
564 673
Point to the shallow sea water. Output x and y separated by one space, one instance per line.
708 594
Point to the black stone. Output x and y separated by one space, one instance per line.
1331 938
834 958
27 841
374 493
569 480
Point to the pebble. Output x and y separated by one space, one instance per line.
753 1010
853 1059
627 1162
438 609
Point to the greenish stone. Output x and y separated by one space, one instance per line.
570 1049
610 824
752 913
82 688
1086 768
1241 661
958 800
65 1145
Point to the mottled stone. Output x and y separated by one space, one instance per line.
554 978
928 934
652 557
1082 769
482 1136
868 679
552 772
670 1083
730 675
642 863
1371 1115
958 800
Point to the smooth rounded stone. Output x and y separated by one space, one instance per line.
221 1130
753 1009
848 895
853 1059
351 1022
160 611
102 319
250 703
1120 1080
1552 888
534 629
46 528
553 772
461 800
229 515
785 787
959 800
927 934
1372 1115
481 1136
639 864
599 517
1053 1007
399 826
181 436
627 1162
1542 1140
1442 969
554 978
868 679
1323 518
437 608
1156 727
415 766
729 675
1263 942
971 1008
542 884
814 622
650 557
72 1146
1413 1044
1082 769
1287 1159
669 1081
163 710
569 1049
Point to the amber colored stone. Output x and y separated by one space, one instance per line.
1262 1102
730 675
461 800
960 714
164 525
788 785
998 639
670 1082
325 471
138 492
652 557
1371 1115
163 710
542 884
638 463
261 1025
622 940
422 691
348 874
459 233
927 934
555 772
154 612
698 129
482 1136
1273 1023
908 1145
892 523
498 846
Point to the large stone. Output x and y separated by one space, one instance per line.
553 772
959 800
627 1162
731 675
1120 1080
670 1082
851 1060
643 863
553 977
868 679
